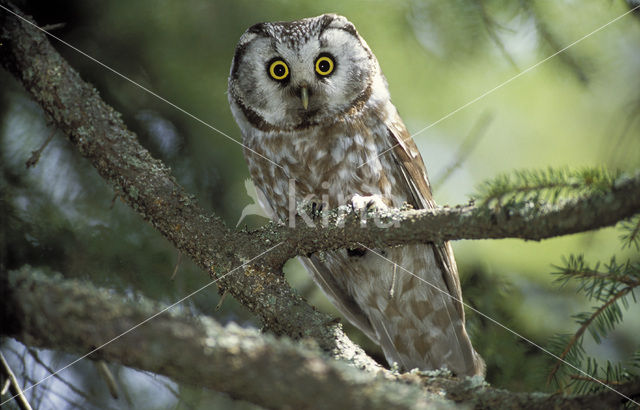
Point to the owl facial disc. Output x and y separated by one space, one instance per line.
291 75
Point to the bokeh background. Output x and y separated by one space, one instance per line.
580 108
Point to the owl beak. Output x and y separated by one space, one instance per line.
304 96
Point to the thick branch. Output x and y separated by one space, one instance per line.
76 317
464 222
273 372
148 187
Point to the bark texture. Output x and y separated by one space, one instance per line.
55 313
60 315
146 184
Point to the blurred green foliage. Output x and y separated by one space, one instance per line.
579 109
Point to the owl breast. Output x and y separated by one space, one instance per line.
322 163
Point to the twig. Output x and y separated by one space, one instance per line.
108 378
489 25
595 380
36 357
626 279
175 269
14 387
584 327
5 387
222 298
35 155
52 27
72 404
473 138
113 200
635 232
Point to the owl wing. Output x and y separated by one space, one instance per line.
408 160
337 294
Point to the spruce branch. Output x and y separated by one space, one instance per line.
611 374
148 187
597 284
590 380
609 284
549 185
630 235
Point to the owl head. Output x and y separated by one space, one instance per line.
291 75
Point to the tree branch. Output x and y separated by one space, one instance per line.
146 184
527 222
273 372
14 387
585 325
148 187
68 315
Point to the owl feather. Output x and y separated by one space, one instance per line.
310 96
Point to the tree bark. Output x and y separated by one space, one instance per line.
54 313
146 184
400 227
252 260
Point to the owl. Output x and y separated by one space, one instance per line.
315 114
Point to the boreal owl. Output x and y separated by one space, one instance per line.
315 114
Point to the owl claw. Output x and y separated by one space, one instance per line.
316 209
356 252
368 203
362 205
311 212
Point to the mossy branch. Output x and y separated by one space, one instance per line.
522 218
244 363
147 185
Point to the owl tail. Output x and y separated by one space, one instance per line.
439 341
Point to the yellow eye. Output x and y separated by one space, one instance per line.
324 65
278 70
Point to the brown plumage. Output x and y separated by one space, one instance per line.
317 124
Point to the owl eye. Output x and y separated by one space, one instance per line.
278 70
324 65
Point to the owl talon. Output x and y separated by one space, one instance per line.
316 209
368 203
310 211
371 205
